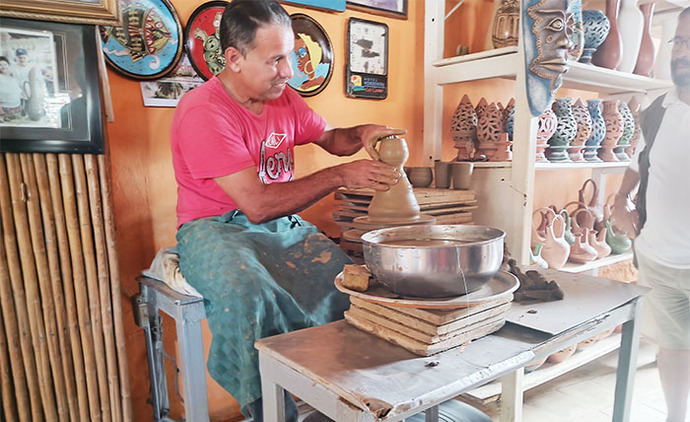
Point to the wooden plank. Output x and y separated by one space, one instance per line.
425 326
418 347
460 218
419 335
423 195
438 316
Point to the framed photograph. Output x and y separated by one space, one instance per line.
393 8
49 92
366 74
95 12
166 92
336 5
312 56
202 39
148 44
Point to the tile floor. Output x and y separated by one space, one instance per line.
586 393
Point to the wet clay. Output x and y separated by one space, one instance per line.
398 202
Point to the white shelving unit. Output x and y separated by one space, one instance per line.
505 190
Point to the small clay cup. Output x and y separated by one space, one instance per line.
442 174
461 173
420 177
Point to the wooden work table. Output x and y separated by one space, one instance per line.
352 376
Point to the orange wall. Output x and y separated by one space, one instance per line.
144 186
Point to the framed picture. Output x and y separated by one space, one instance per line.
312 56
393 8
366 74
336 5
49 92
202 39
166 92
95 12
148 44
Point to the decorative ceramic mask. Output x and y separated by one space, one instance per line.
547 39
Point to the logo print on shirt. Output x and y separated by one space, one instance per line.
276 163
275 139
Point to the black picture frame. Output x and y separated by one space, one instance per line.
360 81
390 8
310 37
62 109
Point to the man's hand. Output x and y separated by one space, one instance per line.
368 174
371 134
624 215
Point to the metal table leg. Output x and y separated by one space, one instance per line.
627 365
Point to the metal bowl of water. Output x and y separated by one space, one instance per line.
434 260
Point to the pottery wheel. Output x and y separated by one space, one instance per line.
502 285
366 222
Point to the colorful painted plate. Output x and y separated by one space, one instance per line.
202 39
312 57
148 45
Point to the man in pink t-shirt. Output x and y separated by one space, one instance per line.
261 269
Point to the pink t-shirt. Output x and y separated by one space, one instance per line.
213 136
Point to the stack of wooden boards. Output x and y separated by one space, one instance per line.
445 205
425 332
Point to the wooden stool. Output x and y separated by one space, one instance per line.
187 311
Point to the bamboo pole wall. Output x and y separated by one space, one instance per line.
62 354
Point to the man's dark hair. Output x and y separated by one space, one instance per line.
242 18
4 59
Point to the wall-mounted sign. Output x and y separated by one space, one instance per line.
312 56
367 64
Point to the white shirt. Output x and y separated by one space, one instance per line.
665 237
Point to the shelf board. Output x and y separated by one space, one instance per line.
598 263
550 371
504 62
493 164
582 165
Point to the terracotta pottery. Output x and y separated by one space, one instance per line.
618 242
490 125
398 202
562 355
595 204
645 58
504 150
608 54
596 28
598 242
598 131
506 24
614 130
546 126
581 251
577 36
420 177
630 25
535 256
556 249
628 132
463 128
584 129
442 174
581 221
637 134
481 106
565 131
569 237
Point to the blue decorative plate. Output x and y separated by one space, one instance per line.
148 45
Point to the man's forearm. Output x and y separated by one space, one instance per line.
631 178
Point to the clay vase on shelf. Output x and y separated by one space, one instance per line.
565 131
584 128
598 131
420 177
618 242
581 251
546 126
556 250
463 128
535 256
598 242
645 58
577 37
608 54
628 131
568 236
630 25
489 131
595 204
504 150
614 130
481 107
637 133
596 28
398 202
506 24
